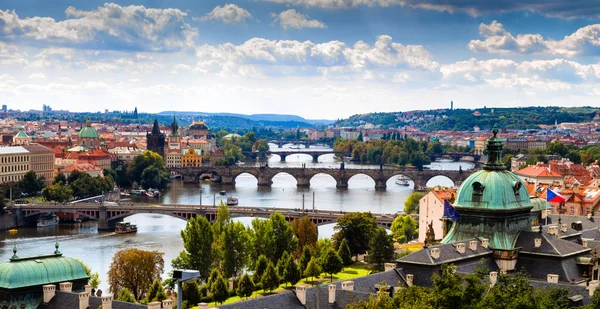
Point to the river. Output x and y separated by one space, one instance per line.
159 232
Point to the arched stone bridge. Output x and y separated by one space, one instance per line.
315 154
108 216
264 175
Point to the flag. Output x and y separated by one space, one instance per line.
449 211
552 196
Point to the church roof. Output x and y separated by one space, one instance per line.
88 131
21 134
198 125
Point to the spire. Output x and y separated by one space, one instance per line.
155 128
56 246
494 148
174 127
15 256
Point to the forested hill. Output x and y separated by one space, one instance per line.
466 119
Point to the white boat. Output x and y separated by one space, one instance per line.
402 183
48 221
125 228
232 201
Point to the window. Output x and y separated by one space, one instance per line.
572 210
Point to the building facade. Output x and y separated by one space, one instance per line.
14 163
156 140
431 211
41 161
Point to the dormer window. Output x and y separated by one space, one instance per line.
477 191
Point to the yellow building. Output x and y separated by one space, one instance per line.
190 158
198 129
41 161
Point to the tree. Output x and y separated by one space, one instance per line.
269 279
30 183
291 273
261 145
197 241
557 148
283 236
57 192
382 248
245 287
305 257
357 228
125 295
261 266
360 137
156 292
76 174
281 264
404 228
155 176
262 239
218 290
94 280
60 178
331 262
191 293
235 249
306 231
411 205
344 252
312 269
110 172
135 270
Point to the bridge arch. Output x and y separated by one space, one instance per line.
244 173
88 215
182 216
400 180
324 179
354 181
440 180
281 179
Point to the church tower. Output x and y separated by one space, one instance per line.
155 141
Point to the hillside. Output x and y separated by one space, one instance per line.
258 119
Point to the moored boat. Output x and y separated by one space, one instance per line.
403 183
125 227
232 201
50 220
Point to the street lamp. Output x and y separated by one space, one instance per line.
184 276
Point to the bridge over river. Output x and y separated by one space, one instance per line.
108 215
264 174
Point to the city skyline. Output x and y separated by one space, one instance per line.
313 58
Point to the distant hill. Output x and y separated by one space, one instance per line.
485 118
259 118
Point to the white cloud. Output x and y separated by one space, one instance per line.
107 27
37 76
499 41
292 19
228 13
60 52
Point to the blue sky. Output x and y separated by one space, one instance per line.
314 58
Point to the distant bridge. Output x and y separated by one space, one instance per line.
108 216
264 175
306 143
315 154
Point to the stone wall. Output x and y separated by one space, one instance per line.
7 222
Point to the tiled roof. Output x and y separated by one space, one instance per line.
448 254
64 300
37 148
550 245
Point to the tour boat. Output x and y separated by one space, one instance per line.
125 193
223 193
136 192
232 201
403 183
125 227
153 193
48 221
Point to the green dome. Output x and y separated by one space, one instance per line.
36 271
88 131
493 190
539 203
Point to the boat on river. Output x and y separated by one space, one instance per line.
46 221
223 193
403 183
125 227
137 192
232 201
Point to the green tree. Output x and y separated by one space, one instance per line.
557 148
261 145
269 279
281 264
291 273
404 228
31 184
218 290
156 292
357 228
74 175
262 239
411 205
60 178
245 287
154 176
235 249
382 248
126 296
360 137
344 252
306 231
197 241
283 236
135 270
95 280
312 269
331 262
110 172
191 293
57 192
260 267
305 257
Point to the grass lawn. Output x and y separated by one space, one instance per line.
349 272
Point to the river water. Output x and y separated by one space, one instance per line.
161 233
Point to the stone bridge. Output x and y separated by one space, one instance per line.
264 175
107 216
315 154
306 143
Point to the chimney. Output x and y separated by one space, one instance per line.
202 306
435 253
331 293
473 245
84 300
49 292
166 304
389 266
409 279
537 242
493 278
300 293
348 286
88 289
585 242
66 286
552 278
154 305
107 302
484 242
592 287
460 247
563 227
553 229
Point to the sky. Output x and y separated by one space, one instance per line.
319 59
